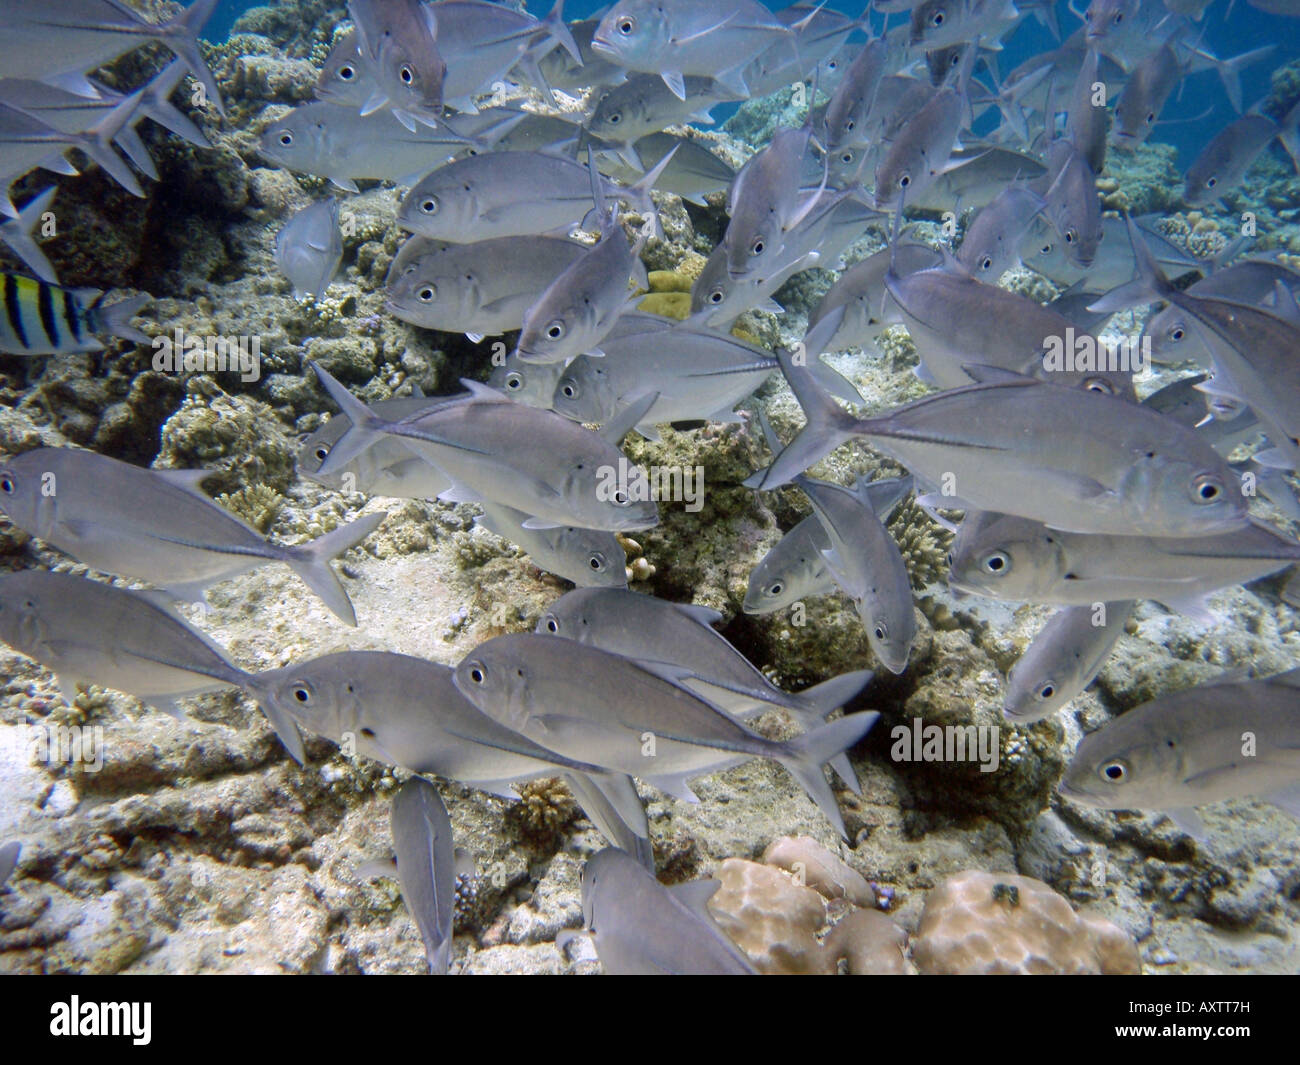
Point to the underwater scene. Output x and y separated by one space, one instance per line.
674 486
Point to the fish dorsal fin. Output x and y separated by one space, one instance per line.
485 393
695 895
1189 821
704 615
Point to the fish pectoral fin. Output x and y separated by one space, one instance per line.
1287 799
541 523
459 493
67 688
695 895
1188 821
675 82
171 707
378 867
706 616
674 784
1195 607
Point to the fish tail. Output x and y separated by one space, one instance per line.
827 427
639 194
366 427
97 142
820 700
116 320
558 30
1230 72
18 235
181 35
312 563
808 753
1149 282
285 727
157 105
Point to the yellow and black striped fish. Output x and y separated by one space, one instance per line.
42 319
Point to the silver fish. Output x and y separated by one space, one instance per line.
335 142
861 291
586 298
86 632
1087 119
530 383
644 104
1190 749
868 567
563 477
1063 658
795 568
508 194
426 866
397 43
992 242
1047 253
1185 403
1014 559
1139 105
1072 203
1255 352
157 525
675 38
587 557
607 709
9 855
1223 163
481 289
309 248
678 635
820 36
639 927
388 468
974 175
937 23
692 172
1063 455
919 154
847 111
57 43
561 71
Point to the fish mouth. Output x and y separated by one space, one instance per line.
601 46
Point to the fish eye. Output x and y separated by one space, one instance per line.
1207 489
407 75
569 391
1119 17
429 205
322 453
1046 691
626 25
904 181
514 380
849 125
477 674
1151 117
302 694
347 73
937 20
7 485
716 296
1099 384
1211 182
427 294
597 564
758 247
621 498
555 331
1115 772
986 263
616 118
1176 333
846 158
1046 249
998 562
286 139
1071 235
948 560
882 631
552 623
776 589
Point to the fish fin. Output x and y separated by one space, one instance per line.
75 82
181 36
459 493
827 427
97 143
377 868
1194 607
695 895
1149 282
312 563
171 707
611 803
157 106
133 148
361 434
540 523
983 374
733 80
558 31
18 235
190 481
67 688
474 338
843 768
1189 821
807 754
1275 459
675 82
345 183
465 864
675 784
115 320
1288 800
835 382
650 433
822 699
623 421
565 936
702 615
933 502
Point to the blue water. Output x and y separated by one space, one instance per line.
1188 120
